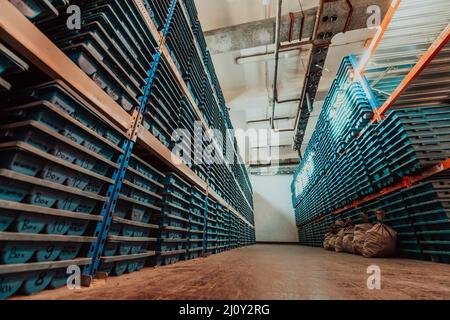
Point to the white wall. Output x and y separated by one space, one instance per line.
274 215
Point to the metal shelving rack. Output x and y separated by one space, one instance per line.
414 83
35 46
437 53
24 37
406 65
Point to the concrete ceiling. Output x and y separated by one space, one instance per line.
216 14
247 82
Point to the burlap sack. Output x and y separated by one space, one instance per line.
359 236
326 241
338 244
347 241
381 242
332 242
330 236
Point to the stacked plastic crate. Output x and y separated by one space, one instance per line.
10 64
130 237
249 233
416 138
162 116
222 239
174 221
227 229
57 162
428 206
328 160
349 158
40 11
197 224
113 50
202 80
158 11
211 227
235 231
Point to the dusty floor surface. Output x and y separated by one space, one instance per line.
272 272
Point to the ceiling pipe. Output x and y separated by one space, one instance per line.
288 100
297 117
285 48
265 120
349 16
265 147
279 47
310 41
294 46
262 54
277 55
283 130
302 24
291 26
316 27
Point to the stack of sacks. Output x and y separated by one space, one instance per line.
332 236
365 239
339 245
359 234
347 241
381 240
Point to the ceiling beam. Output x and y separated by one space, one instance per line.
258 33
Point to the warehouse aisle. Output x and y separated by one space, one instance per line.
272 272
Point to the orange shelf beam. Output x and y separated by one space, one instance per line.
381 30
423 62
405 183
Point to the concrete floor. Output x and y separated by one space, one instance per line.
272 272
